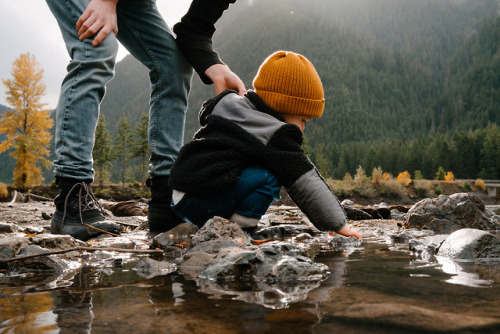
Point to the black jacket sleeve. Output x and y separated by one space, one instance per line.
194 34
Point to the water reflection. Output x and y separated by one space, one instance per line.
116 299
463 273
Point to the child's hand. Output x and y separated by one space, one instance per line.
347 231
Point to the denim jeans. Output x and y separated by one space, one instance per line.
250 197
144 33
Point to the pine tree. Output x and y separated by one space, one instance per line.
27 125
140 146
103 151
121 148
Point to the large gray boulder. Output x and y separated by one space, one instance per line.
446 214
470 244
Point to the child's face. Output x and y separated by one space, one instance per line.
300 121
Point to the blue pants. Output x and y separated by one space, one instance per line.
144 33
250 197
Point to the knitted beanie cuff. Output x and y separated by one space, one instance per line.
292 105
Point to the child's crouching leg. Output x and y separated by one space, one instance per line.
262 188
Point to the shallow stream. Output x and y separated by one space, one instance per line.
113 298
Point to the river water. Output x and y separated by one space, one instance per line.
114 298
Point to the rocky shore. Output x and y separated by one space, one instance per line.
275 266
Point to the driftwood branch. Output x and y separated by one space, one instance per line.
14 197
88 249
38 197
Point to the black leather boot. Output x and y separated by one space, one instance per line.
161 217
78 213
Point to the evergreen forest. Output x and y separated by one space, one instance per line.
409 84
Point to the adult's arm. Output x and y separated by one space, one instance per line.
194 34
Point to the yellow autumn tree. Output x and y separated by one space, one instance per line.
27 124
404 178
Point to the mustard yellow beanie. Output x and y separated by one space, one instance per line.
289 83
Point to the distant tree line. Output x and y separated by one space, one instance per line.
468 154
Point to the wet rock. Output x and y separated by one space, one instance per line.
403 318
356 214
427 247
286 231
220 229
56 241
163 241
470 244
397 215
42 264
448 214
117 242
149 268
271 261
6 252
303 236
347 202
34 230
215 246
7 228
183 232
12 245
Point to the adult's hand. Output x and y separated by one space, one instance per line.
223 79
98 18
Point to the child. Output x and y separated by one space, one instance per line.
250 146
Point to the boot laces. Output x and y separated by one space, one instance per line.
86 200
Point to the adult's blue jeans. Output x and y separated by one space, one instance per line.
144 33
250 197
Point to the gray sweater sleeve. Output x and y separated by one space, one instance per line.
313 196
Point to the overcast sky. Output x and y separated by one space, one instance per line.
28 26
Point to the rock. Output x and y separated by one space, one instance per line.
215 246
51 264
117 242
56 241
34 230
356 214
403 318
286 231
470 244
448 214
397 215
149 268
183 232
272 261
6 252
219 228
347 202
303 236
7 228
162 241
